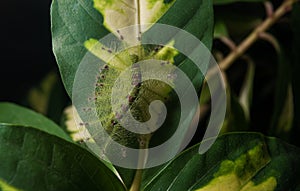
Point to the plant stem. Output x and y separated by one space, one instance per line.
143 155
244 46
136 184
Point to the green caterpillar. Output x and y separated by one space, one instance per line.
142 95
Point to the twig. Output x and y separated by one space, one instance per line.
269 8
244 46
142 158
227 41
271 39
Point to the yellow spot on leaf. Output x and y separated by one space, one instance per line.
118 14
268 185
6 187
236 175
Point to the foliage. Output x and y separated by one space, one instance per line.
262 101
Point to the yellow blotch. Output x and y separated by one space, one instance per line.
268 185
228 182
236 175
6 187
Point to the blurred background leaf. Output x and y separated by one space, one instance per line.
296 77
49 97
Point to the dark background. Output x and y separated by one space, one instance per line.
26 52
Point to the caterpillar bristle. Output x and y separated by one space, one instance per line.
139 37
130 99
113 122
106 67
99 85
87 109
118 116
124 108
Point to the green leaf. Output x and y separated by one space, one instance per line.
236 118
236 161
118 14
72 19
283 104
222 2
69 125
17 115
285 120
220 29
75 22
246 91
6 187
240 19
38 97
238 107
49 97
33 160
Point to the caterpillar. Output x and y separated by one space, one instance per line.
114 92
139 98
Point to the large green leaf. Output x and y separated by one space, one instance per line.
75 22
33 160
78 23
11 114
17 115
236 161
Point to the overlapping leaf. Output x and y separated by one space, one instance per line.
17 115
237 161
34 160
75 22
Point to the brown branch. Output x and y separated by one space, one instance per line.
244 46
